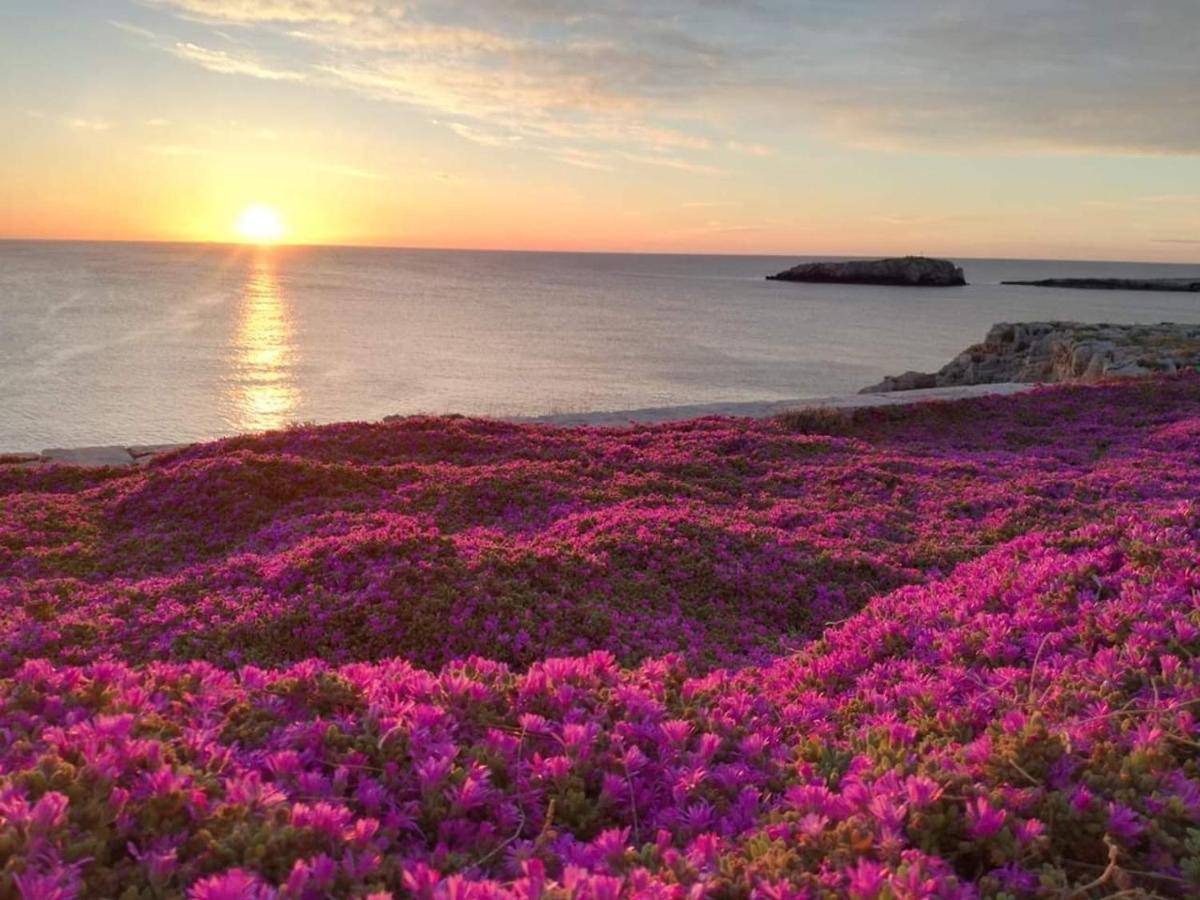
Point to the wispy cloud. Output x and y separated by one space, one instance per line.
343 12
677 76
84 124
534 73
177 150
349 171
227 64
486 138
750 149
674 162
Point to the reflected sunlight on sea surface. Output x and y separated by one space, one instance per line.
107 343
263 393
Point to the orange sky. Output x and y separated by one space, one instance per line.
461 125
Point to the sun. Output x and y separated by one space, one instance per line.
260 225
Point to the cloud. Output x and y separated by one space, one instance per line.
349 171
81 124
1026 75
674 162
487 139
576 85
682 78
177 150
1175 240
225 63
343 12
750 149
1171 199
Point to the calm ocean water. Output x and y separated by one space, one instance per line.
107 343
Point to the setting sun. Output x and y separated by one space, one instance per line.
260 225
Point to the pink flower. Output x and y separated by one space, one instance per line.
866 879
1081 799
983 820
1029 830
234 884
49 812
55 885
1123 822
922 790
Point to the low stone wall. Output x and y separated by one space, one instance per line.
104 455
1051 352
116 455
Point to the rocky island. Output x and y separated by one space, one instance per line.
1060 352
905 271
1116 284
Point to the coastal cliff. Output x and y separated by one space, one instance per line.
1060 352
906 271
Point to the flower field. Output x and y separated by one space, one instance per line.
945 651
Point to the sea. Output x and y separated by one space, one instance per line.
107 343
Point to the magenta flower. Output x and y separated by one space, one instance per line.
1123 822
865 880
1029 830
54 885
983 819
717 658
49 812
235 884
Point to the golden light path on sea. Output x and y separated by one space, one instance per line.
263 390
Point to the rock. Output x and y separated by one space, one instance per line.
144 454
1116 284
909 381
19 459
907 271
89 456
1030 352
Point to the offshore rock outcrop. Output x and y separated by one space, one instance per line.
1191 285
1060 352
905 271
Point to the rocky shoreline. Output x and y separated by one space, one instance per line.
1056 352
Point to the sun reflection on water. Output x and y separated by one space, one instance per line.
262 381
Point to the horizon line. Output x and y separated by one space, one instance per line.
286 245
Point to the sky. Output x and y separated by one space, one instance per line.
1023 128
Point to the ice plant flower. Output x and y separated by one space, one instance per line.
946 651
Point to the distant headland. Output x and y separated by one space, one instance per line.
903 271
1116 284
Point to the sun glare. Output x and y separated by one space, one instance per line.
260 225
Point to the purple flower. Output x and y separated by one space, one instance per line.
865 880
1123 822
983 819
1029 830
234 884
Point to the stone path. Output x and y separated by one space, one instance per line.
774 408
140 455
106 455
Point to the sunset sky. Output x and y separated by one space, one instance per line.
1050 128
